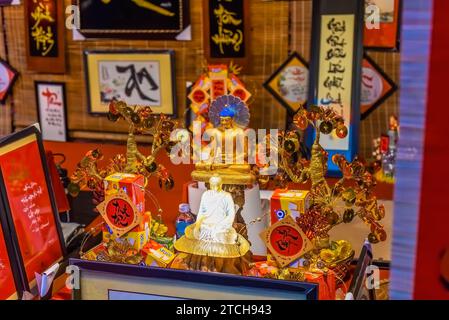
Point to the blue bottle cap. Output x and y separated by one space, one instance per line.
184 208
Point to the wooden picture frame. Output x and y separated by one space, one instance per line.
388 36
106 73
55 128
149 21
45 52
22 179
212 55
8 76
381 87
274 86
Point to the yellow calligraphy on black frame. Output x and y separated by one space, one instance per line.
43 28
227 36
226 26
148 5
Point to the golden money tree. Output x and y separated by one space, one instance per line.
351 196
141 120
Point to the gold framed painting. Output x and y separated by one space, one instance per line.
143 78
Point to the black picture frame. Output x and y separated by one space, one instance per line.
15 270
8 140
358 282
388 94
266 84
169 52
188 113
242 58
330 7
132 32
12 81
308 290
64 101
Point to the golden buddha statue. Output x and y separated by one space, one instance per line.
212 243
227 155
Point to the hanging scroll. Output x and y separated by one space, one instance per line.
336 70
226 31
44 27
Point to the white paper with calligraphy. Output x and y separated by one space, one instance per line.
52 111
336 72
137 83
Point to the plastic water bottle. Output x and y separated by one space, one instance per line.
184 219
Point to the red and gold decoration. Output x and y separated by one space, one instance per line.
329 205
119 190
120 213
141 120
286 241
216 81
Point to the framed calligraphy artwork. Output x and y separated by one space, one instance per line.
10 284
135 19
376 87
30 206
226 32
286 241
45 28
289 85
52 110
8 76
335 71
382 24
136 77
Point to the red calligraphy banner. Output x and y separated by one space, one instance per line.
7 285
30 205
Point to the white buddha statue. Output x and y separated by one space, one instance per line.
213 233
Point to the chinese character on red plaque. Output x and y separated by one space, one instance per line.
120 213
199 96
286 241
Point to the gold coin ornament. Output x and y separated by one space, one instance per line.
342 131
326 127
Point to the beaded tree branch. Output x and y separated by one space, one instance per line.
354 190
141 120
